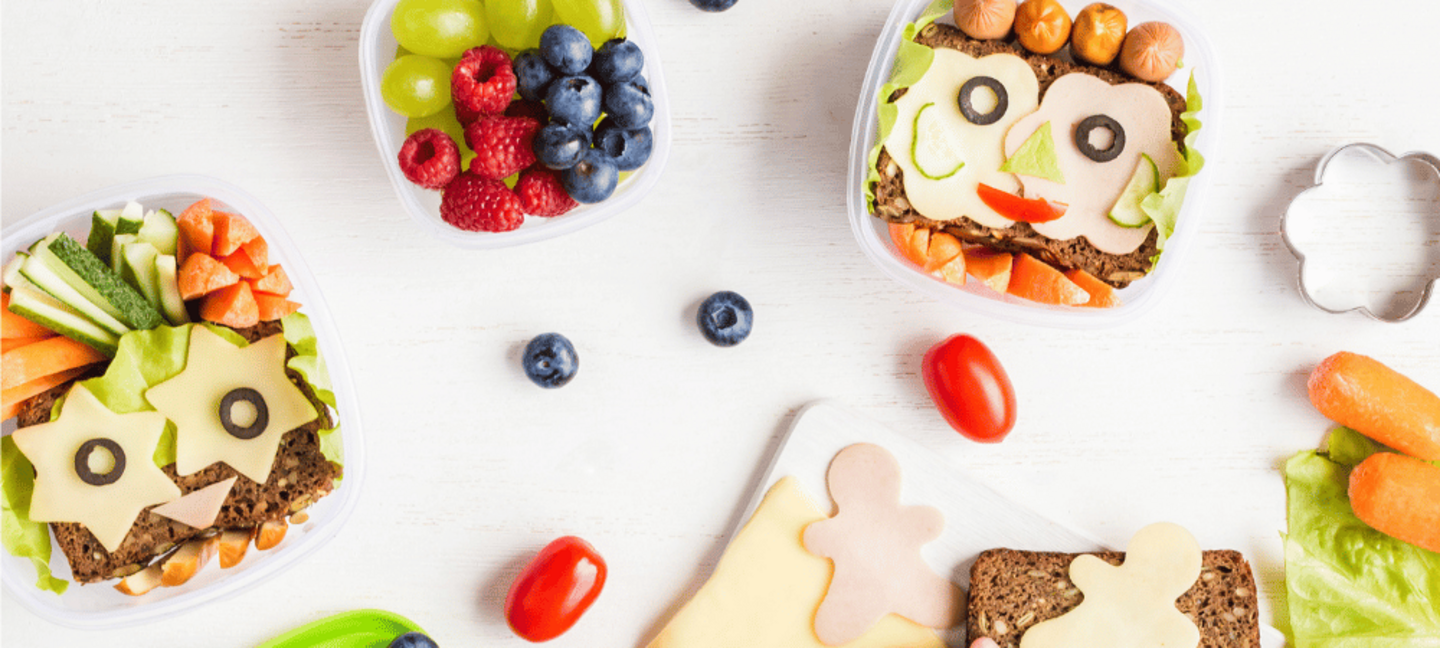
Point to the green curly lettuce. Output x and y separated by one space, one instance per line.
1348 585
308 362
1163 207
912 61
21 536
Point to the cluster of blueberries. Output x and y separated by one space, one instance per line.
578 84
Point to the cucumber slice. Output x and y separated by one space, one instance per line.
160 231
131 218
937 153
12 270
139 270
102 232
1145 181
50 313
170 300
46 279
117 249
97 283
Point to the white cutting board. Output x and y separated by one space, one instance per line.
976 517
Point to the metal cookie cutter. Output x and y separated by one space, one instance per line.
1381 155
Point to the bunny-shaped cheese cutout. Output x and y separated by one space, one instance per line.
874 543
1133 605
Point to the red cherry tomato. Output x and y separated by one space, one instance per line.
970 388
556 587
1013 207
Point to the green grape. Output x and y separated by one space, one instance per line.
517 24
416 86
439 28
601 20
444 121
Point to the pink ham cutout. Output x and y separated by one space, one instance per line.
200 508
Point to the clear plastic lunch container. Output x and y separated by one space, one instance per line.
377 50
99 605
1140 296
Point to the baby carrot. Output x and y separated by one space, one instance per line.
1398 496
1376 401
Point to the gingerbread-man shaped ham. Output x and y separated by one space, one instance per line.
874 544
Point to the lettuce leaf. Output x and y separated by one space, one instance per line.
299 333
1349 585
1036 157
912 61
20 535
1163 207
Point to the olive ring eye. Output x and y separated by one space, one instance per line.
262 413
82 462
967 106
1088 125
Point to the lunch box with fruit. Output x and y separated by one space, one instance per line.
378 47
875 237
100 605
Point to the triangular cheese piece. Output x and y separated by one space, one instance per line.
200 508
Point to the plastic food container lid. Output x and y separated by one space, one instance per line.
377 50
99 605
1142 295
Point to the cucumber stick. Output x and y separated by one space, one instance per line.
170 300
139 271
102 232
12 269
160 231
86 273
43 277
50 313
131 219
117 250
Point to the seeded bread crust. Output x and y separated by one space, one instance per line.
300 475
1010 591
1116 270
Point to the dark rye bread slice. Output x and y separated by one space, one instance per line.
1010 591
1116 270
300 475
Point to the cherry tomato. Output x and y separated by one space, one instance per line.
1013 207
556 587
970 388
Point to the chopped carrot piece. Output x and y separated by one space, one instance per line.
1036 281
231 231
1102 295
197 227
275 282
240 263
943 249
44 358
991 267
202 275
13 398
234 306
273 307
258 251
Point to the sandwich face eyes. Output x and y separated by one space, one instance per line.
1086 129
82 462
967 98
257 426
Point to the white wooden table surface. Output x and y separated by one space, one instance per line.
1185 415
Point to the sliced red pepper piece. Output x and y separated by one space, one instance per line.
1013 207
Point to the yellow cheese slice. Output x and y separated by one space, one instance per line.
767 587
214 367
60 495
200 508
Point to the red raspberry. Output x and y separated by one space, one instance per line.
429 158
532 109
482 84
478 205
503 145
542 194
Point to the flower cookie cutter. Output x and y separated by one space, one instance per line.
1386 157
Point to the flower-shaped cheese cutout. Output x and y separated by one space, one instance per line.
950 128
95 467
1367 234
1099 131
202 400
874 543
1133 605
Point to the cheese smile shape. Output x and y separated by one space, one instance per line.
954 154
1091 188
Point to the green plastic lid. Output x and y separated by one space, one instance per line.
357 629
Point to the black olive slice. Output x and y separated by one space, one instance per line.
82 462
967 107
1082 138
262 413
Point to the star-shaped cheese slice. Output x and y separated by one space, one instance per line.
213 368
60 495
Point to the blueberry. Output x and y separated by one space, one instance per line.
566 49
532 75
550 360
628 104
413 640
725 318
574 100
713 5
628 147
560 146
593 179
617 60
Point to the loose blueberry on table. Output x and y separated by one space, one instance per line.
713 5
725 318
413 640
550 360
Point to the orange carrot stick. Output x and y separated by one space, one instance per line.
43 358
1378 402
11 399
1398 496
